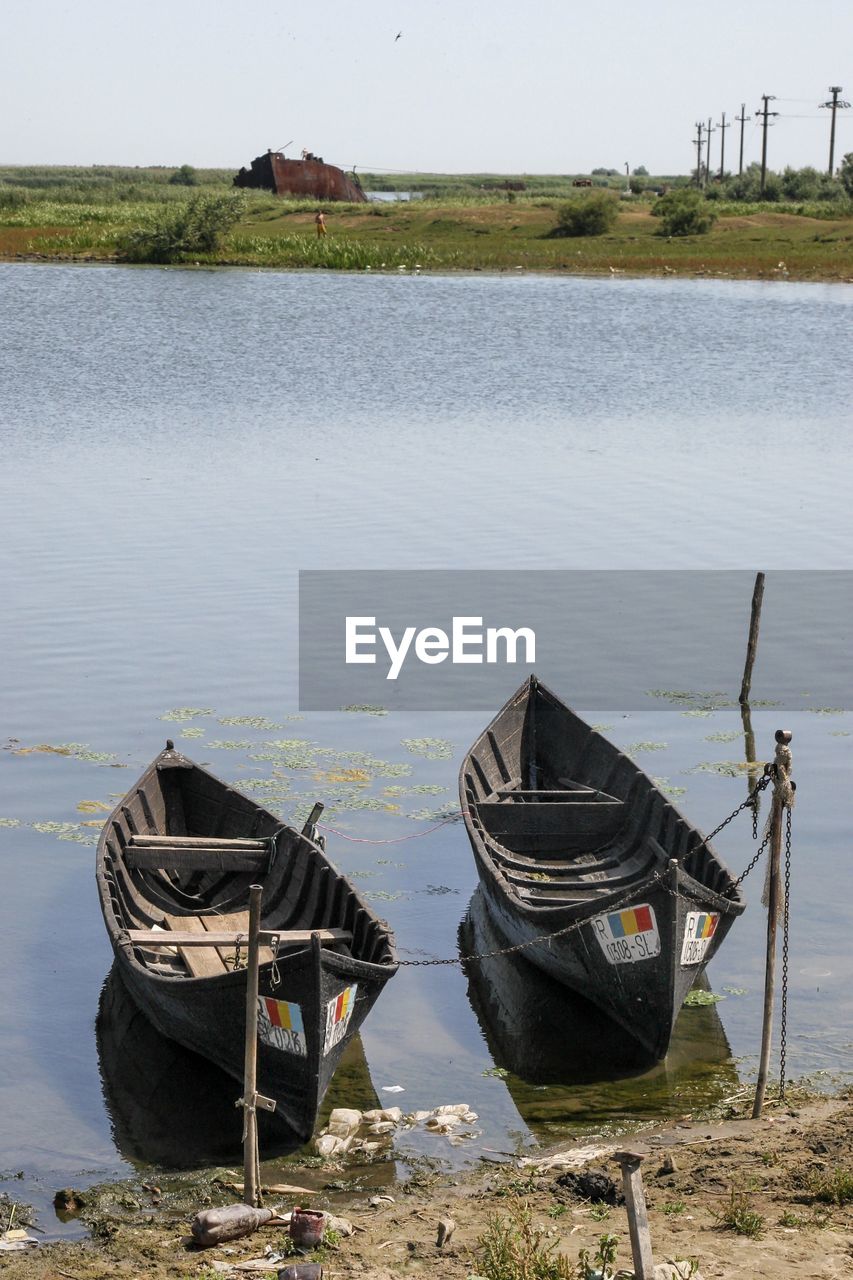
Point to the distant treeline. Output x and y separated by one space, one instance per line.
106 185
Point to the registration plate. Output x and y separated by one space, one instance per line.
627 937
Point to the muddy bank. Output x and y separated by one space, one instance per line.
742 1198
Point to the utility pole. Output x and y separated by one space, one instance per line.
833 106
697 142
708 153
765 115
743 117
722 126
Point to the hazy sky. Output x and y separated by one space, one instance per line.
538 87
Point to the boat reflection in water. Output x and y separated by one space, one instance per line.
570 1066
172 1108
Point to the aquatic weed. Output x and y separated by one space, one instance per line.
429 748
667 787
186 713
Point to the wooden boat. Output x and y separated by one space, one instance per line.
174 864
582 859
567 1062
173 1108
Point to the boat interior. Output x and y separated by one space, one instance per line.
180 853
565 816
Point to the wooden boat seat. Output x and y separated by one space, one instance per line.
196 853
208 962
579 795
544 828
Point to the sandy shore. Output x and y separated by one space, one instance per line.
781 1176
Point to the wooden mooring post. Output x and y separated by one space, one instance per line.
752 642
781 798
638 1217
251 1099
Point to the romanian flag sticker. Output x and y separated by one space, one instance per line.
699 929
280 1026
629 936
338 1014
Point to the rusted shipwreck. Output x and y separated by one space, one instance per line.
310 178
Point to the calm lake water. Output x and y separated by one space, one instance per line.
177 444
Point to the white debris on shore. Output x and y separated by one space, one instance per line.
363 1132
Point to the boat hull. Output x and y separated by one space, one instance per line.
589 869
313 997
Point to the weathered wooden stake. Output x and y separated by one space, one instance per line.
251 1181
638 1218
752 643
781 784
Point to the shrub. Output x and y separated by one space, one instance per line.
589 215
683 213
184 177
747 185
196 227
740 1217
845 173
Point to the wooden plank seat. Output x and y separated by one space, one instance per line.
207 943
196 853
543 827
528 795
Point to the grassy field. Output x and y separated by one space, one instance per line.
81 214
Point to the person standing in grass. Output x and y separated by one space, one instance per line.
321 224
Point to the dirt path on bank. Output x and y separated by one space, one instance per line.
789 1169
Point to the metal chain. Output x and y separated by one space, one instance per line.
783 1042
749 803
531 942
761 848
275 975
615 906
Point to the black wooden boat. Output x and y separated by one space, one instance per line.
566 1060
177 856
171 1107
583 859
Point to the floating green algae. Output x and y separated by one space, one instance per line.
366 709
258 722
193 732
10 822
429 748
79 751
700 997
725 768
186 713
664 785
636 747
227 744
727 735
65 831
448 810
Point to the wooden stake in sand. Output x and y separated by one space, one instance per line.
782 798
638 1217
251 1099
